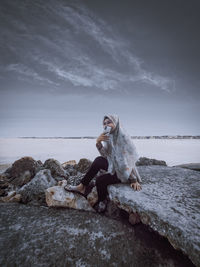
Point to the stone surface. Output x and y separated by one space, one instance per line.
83 165
4 167
134 218
35 189
11 197
69 162
168 203
92 197
57 170
57 196
57 237
148 161
191 166
23 170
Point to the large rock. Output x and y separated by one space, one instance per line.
4 167
57 170
83 165
168 203
35 189
68 163
191 166
23 170
11 197
57 196
46 237
148 161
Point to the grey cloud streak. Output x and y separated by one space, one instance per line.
73 63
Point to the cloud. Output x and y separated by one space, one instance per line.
83 20
75 54
25 71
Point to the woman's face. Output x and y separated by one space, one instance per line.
109 123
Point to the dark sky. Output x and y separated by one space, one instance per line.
65 64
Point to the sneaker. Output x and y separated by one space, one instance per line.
100 206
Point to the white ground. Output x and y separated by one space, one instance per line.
172 151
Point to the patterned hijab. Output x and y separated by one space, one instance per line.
121 151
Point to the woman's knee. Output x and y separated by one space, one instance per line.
101 179
101 162
100 158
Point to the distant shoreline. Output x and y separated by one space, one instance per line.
133 137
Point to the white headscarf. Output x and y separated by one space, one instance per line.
121 152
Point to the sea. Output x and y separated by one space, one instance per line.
173 151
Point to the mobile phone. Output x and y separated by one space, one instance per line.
107 130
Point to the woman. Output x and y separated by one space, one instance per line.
118 158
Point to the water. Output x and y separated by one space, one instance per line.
175 151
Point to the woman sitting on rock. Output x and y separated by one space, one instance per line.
118 158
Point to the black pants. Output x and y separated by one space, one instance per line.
101 181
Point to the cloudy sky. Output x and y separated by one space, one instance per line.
65 64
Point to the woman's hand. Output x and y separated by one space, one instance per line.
102 137
136 186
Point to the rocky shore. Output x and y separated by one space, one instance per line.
168 202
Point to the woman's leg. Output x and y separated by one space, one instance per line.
103 181
98 163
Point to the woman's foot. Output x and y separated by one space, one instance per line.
81 188
100 206
76 188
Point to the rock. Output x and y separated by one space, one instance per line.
113 211
134 218
5 167
40 163
42 236
92 197
2 192
3 184
57 196
24 178
83 165
11 197
70 167
4 176
23 170
68 163
72 171
57 170
35 189
168 203
4 187
147 161
191 166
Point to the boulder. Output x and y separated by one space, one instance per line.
92 197
57 170
191 166
83 165
22 171
3 187
4 167
57 196
68 163
147 161
71 170
134 218
11 197
168 203
35 189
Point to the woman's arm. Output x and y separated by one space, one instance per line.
136 174
101 149
135 179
